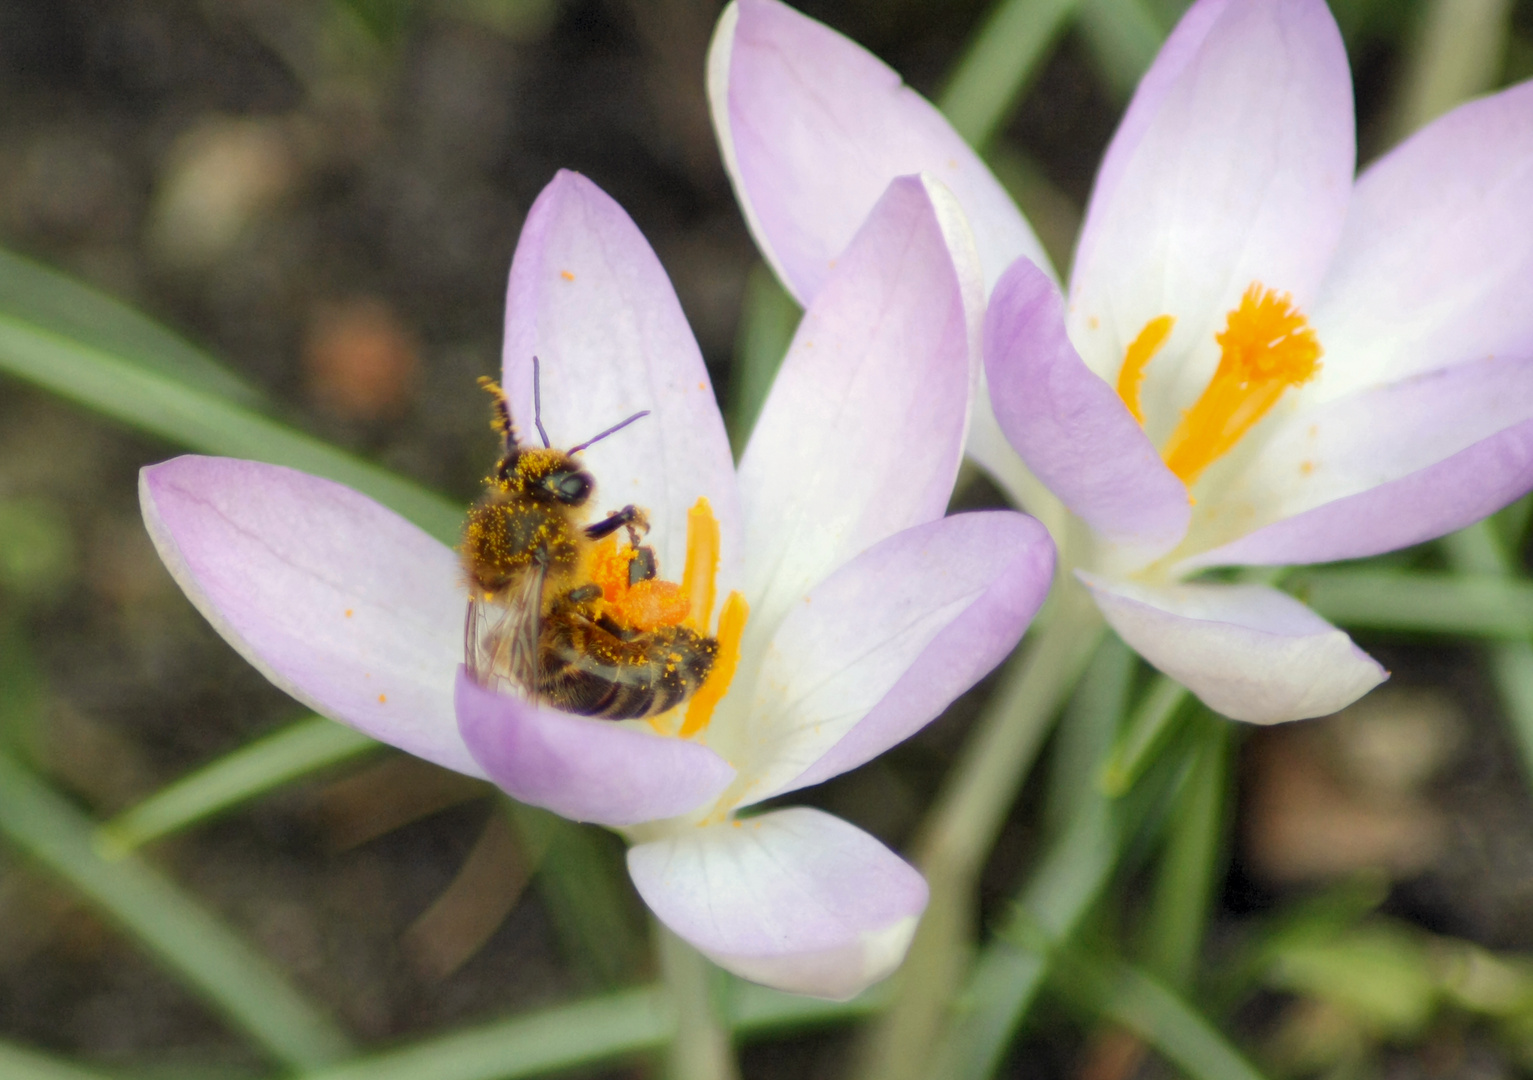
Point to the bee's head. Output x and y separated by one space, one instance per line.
547 476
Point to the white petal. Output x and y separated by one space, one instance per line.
795 899
1247 651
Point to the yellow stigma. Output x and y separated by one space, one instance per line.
1266 347
1140 352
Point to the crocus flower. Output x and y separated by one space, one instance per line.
868 609
1261 362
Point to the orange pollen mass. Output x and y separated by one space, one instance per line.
1266 347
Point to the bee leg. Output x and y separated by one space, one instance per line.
577 598
642 566
629 517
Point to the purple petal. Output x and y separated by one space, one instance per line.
813 128
863 431
886 643
340 602
1247 651
794 899
1234 166
1070 427
584 769
1436 263
591 301
1389 467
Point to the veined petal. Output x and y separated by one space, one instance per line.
795 899
1385 468
339 601
1233 167
1435 265
874 652
864 428
591 301
1071 428
583 769
1247 651
813 127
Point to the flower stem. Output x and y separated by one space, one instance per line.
700 1048
964 822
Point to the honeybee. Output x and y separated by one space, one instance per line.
537 624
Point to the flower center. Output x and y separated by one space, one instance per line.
1266 347
650 603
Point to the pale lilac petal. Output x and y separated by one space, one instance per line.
1235 168
813 128
863 431
339 601
1249 652
1071 428
795 899
584 769
877 650
1436 263
591 301
1388 467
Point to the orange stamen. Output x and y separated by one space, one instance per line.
706 699
698 577
1267 346
1140 352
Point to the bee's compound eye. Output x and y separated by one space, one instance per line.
570 487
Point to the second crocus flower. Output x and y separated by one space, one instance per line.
1259 363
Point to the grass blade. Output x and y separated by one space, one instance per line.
194 417
1473 603
1000 59
1188 871
189 940
34 294
598 1029
1157 1015
1143 735
296 751
18 1063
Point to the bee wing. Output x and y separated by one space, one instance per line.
500 636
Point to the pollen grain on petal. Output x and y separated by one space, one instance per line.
1266 347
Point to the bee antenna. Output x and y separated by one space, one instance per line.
609 431
537 403
502 422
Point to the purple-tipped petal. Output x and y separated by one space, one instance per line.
591 301
886 643
584 769
795 899
1070 427
1389 467
1436 263
1247 651
1235 166
863 431
340 602
813 128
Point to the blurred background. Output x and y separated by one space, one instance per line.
326 196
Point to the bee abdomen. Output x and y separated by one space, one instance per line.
589 671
